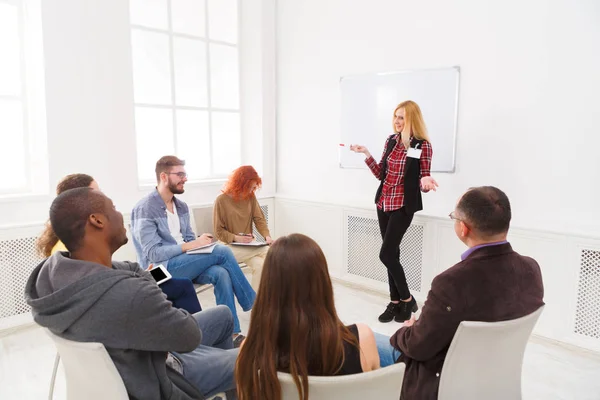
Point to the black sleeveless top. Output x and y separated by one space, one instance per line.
351 356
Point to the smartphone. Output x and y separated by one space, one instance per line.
160 274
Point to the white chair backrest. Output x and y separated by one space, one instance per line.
201 220
485 359
381 384
89 371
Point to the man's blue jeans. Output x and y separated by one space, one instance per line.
210 367
221 270
387 353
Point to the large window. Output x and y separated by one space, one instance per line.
186 85
23 147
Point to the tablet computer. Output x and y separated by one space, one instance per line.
160 274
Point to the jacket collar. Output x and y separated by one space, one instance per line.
158 201
490 251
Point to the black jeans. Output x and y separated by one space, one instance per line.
393 225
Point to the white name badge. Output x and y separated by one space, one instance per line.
414 153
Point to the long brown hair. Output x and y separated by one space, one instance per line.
413 120
294 327
48 238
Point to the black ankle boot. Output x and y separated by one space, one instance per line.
405 309
389 313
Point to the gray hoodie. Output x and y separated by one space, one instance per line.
122 308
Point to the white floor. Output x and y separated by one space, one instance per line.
550 371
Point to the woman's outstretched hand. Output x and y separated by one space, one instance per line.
428 183
357 148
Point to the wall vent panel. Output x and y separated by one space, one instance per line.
363 246
17 259
257 235
587 315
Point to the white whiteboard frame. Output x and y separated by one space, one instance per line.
455 127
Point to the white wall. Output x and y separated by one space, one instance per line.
528 107
89 101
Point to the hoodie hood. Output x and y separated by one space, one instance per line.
60 290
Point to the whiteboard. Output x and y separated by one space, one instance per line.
368 103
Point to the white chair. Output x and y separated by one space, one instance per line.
381 384
485 359
89 370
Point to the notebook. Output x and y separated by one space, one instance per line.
206 249
254 243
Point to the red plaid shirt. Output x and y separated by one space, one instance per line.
392 194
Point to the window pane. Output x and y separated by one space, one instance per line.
223 20
151 67
226 144
150 13
10 56
193 143
190 72
189 16
154 139
12 147
224 77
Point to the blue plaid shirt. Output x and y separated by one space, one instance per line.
152 238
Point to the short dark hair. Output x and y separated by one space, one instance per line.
165 163
486 209
70 211
48 239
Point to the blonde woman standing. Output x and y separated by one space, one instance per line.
404 171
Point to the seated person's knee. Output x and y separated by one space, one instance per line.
220 275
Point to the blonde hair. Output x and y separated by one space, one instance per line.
413 120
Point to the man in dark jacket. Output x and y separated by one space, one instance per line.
491 283
82 295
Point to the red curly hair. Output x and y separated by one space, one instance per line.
240 182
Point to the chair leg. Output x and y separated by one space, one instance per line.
56 361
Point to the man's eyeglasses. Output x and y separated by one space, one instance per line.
453 216
179 174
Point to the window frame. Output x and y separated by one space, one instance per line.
32 103
211 178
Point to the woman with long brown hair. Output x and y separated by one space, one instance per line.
294 326
404 171
180 292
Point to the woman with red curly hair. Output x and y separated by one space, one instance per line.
234 212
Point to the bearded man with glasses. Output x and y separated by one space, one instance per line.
162 234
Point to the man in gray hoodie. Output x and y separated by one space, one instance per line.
82 295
